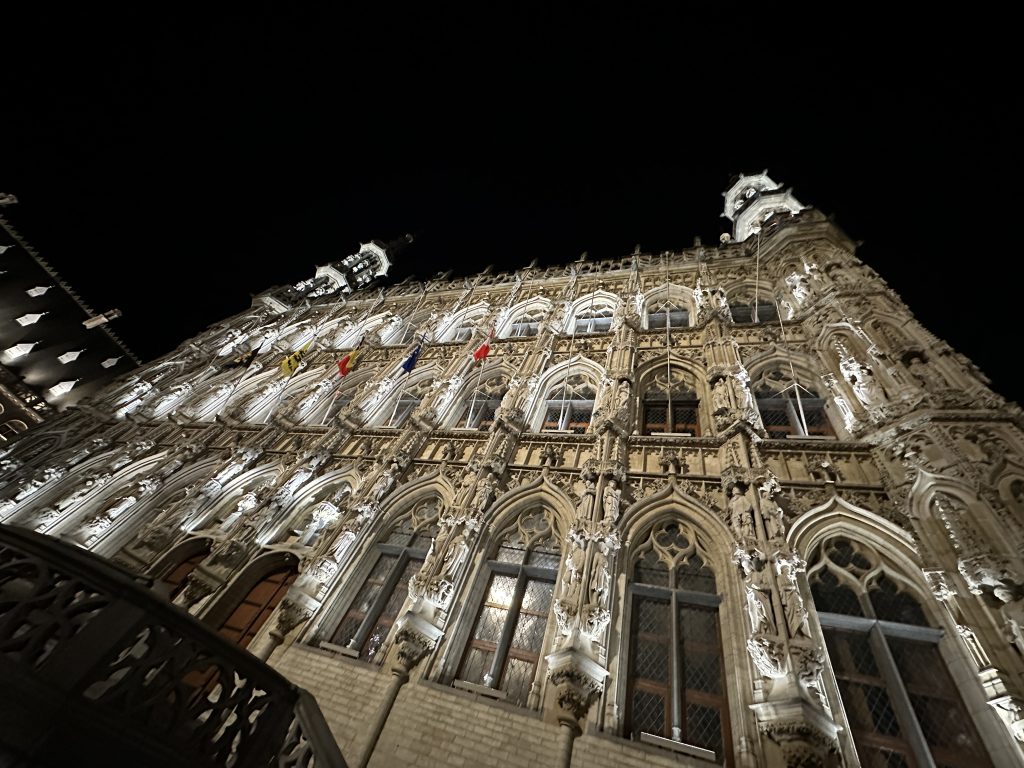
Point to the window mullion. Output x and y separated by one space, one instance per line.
505 641
900 699
677 671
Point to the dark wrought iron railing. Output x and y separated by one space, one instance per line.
95 669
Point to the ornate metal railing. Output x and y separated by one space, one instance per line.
97 670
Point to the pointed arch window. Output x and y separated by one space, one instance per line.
670 406
405 402
570 405
666 314
464 329
507 638
789 408
527 324
372 612
753 310
594 319
481 404
902 704
676 683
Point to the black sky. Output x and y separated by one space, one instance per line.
171 165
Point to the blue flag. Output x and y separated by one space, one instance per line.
410 361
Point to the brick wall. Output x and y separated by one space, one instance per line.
349 693
432 726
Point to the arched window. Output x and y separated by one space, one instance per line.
528 323
664 314
789 408
594 319
676 683
505 646
373 610
464 328
569 405
901 702
670 406
482 403
408 397
255 608
751 308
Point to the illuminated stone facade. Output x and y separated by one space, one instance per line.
731 503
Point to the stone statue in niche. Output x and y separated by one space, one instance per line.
720 397
486 490
759 601
741 514
600 581
611 498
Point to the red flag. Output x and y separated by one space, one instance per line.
348 362
483 350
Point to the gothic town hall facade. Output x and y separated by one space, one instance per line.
726 505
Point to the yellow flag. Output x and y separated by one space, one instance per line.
291 363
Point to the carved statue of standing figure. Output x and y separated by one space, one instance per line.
486 490
611 499
741 516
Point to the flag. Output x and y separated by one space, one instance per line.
291 363
484 349
348 362
410 362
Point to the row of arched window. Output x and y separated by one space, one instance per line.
668 404
885 664
590 314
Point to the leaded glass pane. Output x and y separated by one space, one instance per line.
475 665
677 318
937 704
655 418
703 727
694 576
501 591
364 599
389 613
489 624
537 597
650 713
775 415
510 553
872 717
652 647
833 597
650 569
891 604
544 558
529 632
517 680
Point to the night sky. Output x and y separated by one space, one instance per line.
172 166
